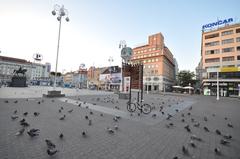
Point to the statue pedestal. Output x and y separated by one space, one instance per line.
53 93
18 81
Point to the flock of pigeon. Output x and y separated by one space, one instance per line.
194 139
33 132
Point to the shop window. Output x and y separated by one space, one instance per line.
238 57
238 30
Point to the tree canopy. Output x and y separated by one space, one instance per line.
185 77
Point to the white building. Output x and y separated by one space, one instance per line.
34 70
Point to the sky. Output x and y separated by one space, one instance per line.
97 26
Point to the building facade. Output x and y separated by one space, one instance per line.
221 56
159 68
35 71
111 78
93 75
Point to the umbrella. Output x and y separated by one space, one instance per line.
177 86
188 87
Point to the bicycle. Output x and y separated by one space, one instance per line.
143 107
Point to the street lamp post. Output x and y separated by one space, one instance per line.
122 45
60 12
110 60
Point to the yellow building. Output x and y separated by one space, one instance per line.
221 53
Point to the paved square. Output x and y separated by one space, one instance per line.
140 137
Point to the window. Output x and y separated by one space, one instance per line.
212 60
212 36
227 41
229 58
238 39
238 57
212 43
156 59
208 52
230 49
227 32
238 30
238 48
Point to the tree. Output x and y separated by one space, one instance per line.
185 77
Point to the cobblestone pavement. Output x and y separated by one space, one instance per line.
133 139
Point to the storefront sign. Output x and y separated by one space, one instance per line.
219 22
230 69
215 84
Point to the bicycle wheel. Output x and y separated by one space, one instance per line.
131 107
146 108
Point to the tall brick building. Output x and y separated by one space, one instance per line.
158 72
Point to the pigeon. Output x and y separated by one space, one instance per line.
25 124
84 134
51 152
192 144
187 128
25 114
6 101
175 157
226 118
115 127
87 107
227 136
62 108
163 113
94 104
183 120
217 151
224 142
196 125
36 113
205 118
101 114
185 150
154 115
171 124
218 132
66 100
91 113
206 129
169 116
188 113
39 102
70 111
213 115
118 117
79 105
110 131
50 144
14 117
115 119
63 117
230 125
90 122
20 132
192 119
61 136
194 137
23 120
176 110
15 112
190 108
33 132
59 110
86 117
